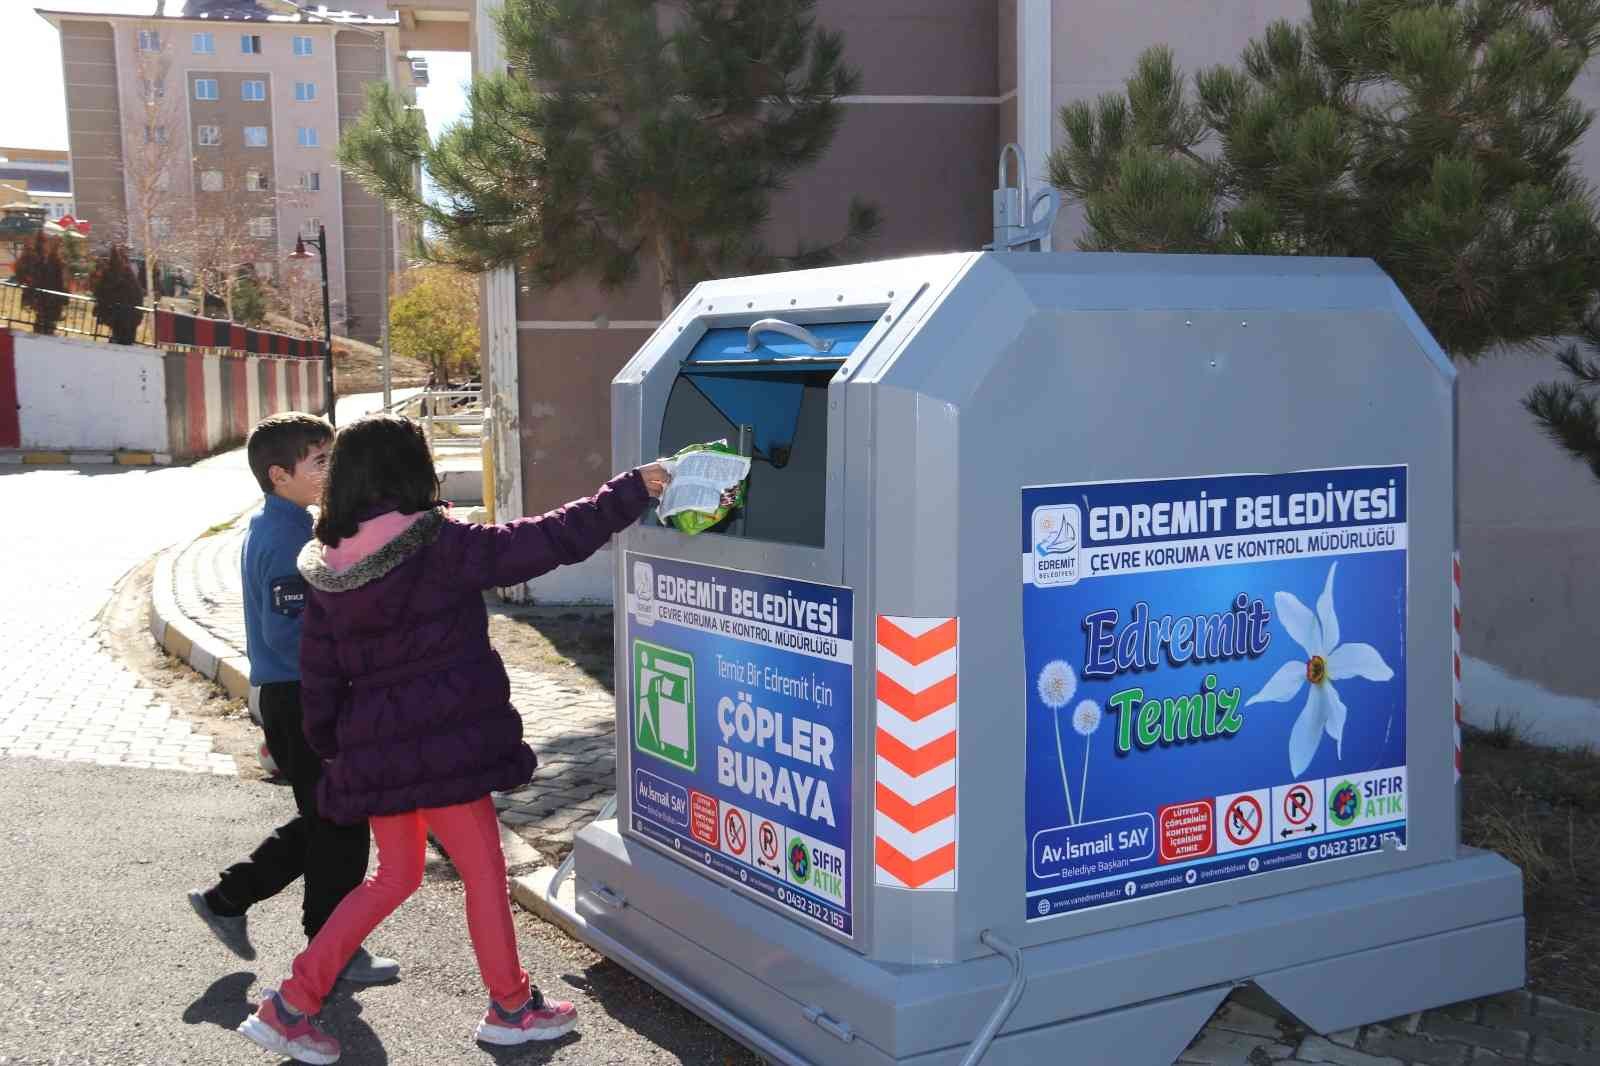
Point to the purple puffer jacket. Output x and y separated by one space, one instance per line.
400 688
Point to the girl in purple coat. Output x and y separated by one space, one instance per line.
410 708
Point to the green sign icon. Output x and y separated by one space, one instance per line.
799 860
663 694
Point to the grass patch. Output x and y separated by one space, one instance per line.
220 527
1540 808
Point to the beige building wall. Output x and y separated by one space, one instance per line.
94 131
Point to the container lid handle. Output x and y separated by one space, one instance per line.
788 329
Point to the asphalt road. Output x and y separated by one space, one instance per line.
103 962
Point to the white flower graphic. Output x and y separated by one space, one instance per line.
1057 684
1086 719
1327 661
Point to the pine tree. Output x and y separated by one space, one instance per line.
1435 136
1569 410
117 296
619 134
249 301
43 274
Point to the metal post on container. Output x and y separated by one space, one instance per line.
747 436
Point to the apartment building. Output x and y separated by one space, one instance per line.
218 126
38 176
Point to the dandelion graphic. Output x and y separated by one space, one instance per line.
1057 685
1085 719
1327 661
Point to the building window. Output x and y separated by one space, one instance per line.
149 41
308 136
154 90
253 90
155 135
261 226
264 270
208 136
256 181
311 180
309 228
250 44
203 44
211 181
205 88
255 136
160 229
305 91
302 46
163 181
57 210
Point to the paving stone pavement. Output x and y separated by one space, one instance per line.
63 693
72 533
571 726
1249 1030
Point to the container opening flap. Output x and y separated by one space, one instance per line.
763 387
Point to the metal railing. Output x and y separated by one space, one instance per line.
77 314
452 419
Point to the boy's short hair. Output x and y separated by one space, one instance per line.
283 440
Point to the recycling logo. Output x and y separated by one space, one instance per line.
1344 804
799 861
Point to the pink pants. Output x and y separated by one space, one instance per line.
470 833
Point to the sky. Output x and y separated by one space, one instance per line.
34 114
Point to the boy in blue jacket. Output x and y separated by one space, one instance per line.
288 454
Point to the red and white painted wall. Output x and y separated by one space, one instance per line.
66 396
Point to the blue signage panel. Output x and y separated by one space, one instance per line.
739 690
1216 679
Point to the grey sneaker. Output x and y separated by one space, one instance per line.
365 968
231 931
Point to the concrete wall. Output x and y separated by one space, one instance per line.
85 396
81 396
1530 561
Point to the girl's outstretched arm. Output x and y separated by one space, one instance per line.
496 556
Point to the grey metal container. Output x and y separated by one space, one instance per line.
902 472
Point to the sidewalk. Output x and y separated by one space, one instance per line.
198 616
572 727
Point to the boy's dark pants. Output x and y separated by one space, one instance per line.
332 858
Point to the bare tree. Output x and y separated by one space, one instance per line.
152 153
236 206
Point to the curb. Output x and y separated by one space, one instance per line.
186 639
529 892
56 458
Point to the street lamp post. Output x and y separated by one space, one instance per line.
327 314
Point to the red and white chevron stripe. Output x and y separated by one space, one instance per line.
1455 637
918 713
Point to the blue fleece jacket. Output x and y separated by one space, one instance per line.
274 591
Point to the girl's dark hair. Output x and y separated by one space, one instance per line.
379 463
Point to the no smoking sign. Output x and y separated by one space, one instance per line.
1242 820
734 832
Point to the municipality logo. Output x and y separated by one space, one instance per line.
663 693
644 592
1057 536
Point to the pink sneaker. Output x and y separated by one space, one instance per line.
537 1019
277 1028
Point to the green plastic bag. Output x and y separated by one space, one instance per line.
699 519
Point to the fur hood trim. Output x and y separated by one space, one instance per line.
314 567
